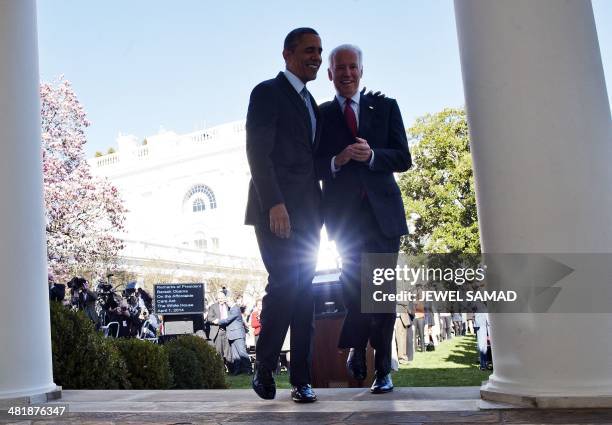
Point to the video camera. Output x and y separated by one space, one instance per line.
77 283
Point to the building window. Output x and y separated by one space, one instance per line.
198 205
215 243
201 244
201 197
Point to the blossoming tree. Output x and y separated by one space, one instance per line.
84 213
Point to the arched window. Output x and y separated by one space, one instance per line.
198 205
201 198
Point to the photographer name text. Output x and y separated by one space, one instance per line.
451 296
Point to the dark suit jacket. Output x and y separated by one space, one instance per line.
214 312
281 155
233 324
380 123
87 302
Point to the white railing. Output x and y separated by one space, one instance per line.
142 152
107 160
230 132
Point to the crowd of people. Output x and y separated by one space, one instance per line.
233 329
231 326
125 314
419 329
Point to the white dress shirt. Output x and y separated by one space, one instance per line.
355 105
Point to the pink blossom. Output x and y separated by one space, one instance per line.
85 214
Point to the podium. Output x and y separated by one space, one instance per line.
329 361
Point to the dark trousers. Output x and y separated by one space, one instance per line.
419 327
241 362
446 326
364 236
457 328
410 343
288 300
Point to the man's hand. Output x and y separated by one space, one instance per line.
373 94
343 157
361 151
279 221
215 322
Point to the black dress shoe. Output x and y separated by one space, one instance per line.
356 364
382 385
303 394
263 383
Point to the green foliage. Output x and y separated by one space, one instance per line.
439 190
110 151
82 357
147 363
195 364
186 370
98 154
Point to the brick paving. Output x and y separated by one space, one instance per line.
453 405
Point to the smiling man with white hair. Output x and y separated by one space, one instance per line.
363 142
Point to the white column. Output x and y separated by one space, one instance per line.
541 139
25 356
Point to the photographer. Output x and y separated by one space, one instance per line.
152 325
144 299
83 299
121 315
57 291
134 308
107 301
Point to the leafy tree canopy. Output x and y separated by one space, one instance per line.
438 191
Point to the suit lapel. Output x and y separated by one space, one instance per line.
338 115
297 101
366 109
319 125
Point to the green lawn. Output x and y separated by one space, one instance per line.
454 363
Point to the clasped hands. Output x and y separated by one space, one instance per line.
359 151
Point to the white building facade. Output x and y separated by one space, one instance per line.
186 197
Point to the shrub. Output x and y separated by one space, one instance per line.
147 364
186 369
195 364
82 357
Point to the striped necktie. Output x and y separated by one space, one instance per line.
313 119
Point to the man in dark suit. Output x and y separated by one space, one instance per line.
284 206
218 335
236 335
363 142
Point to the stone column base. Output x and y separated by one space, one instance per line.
54 394
603 401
